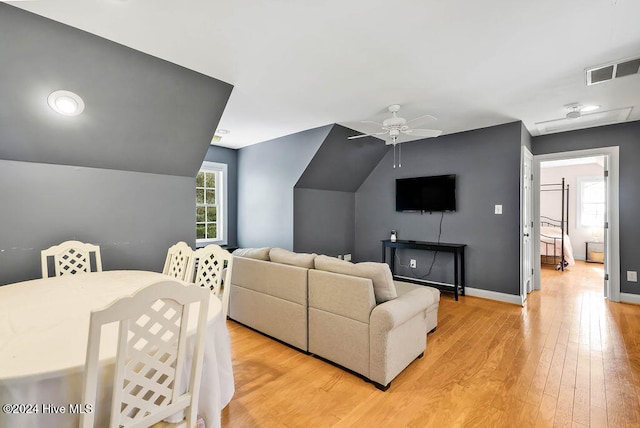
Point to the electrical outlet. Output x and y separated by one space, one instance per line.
498 209
632 276
347 257
413 263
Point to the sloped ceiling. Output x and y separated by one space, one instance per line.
341 164
142 113
298 65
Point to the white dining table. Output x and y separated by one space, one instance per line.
44 326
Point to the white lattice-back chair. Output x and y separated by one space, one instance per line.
214 265
178 262
70 258
152 351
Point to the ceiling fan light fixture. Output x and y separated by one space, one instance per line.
574 111
588 108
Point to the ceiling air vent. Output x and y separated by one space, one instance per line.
604 73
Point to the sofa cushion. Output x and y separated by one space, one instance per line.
286 257
379 273
253 253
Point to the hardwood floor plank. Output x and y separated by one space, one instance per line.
568 358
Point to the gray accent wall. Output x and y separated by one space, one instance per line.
324 222
487 165
627 137
324 198
342 164
228 157
267 174
133 216
121 174
142 113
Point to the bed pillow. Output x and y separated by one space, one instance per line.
286 257
253 253
379 273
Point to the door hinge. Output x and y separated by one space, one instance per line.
606 173
606 277
606 225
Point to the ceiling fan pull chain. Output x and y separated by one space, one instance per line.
400 157
394 155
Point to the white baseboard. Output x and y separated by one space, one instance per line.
493 295
630 298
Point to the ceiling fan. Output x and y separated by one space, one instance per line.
395 127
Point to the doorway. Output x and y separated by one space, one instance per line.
572 208
582 219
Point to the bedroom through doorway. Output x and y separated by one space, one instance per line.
572 208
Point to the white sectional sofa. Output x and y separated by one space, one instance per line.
353 315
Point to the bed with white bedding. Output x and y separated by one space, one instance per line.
554 249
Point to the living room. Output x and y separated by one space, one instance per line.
123 177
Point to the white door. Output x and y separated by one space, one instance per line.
526 196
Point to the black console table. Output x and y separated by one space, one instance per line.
458 263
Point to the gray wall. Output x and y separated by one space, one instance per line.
627 137
324 221
142 113
487 165
230 158
121 174
324 198
267 174
133 216
342 164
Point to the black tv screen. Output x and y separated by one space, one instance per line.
435 193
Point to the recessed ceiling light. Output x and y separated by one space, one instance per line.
222 131
66 103
589 108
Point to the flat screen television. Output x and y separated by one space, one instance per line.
426 194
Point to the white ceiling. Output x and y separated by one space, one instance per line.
299 65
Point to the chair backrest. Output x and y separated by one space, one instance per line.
177 263
151 356
70 258
214 266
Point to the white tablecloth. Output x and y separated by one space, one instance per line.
44 325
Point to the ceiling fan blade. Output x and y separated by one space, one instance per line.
365 135
429 133
422 117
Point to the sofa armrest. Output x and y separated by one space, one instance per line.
389 315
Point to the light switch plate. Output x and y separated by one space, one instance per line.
632 276
498 209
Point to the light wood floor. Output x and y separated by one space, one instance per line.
569 358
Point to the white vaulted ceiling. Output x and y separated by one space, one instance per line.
298 65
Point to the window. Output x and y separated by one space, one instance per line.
591 202
211 195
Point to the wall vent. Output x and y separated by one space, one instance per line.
604 73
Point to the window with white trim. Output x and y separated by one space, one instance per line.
591 201
211 198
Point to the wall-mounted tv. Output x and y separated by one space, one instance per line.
426 194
